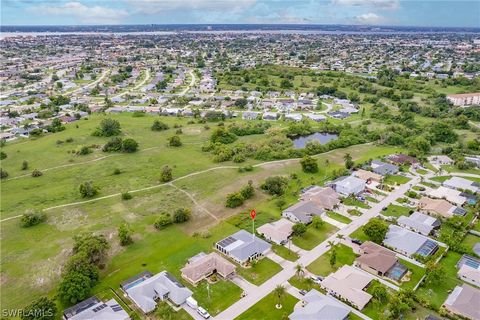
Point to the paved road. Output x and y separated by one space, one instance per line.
192 82
92 84
139 85
289 269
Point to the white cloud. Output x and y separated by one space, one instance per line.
84 14
164 6
369 18
381 4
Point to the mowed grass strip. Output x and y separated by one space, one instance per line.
265 308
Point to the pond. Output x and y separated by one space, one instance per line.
323 138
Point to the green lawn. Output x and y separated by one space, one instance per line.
313 236
354 212
218 296
440 178
304 283
374 309
352 201
165 312
469 241
265 308
371 199
422 171
395 179
284 252
322 267
339 217
260 272
436 294
396 211
359 234
415 276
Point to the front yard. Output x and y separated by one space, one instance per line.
218 296
322 267
338 217
260 271
395 180
396 211
313 236
265 308
284 252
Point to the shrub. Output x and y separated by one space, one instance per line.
126 196
174 141
179 131
42 306
276 185
125 234
129 145
239 158
31 219
3 155
309 164
182 215
37 173
166 174
248 191
24 165
108 127
114 144
222 135
163 220
117 171
88 189
375 229
234 200
84 151
299 229
3 174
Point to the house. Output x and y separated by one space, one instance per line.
440 160
409 243
348 284
469 269
270 116
293 117
319 306
94 309
402 159
367 175
474 160
349 185
383 168
250 115
278 232
375 258
339 115
203 265
326 198
419 222
439 207
461 184
316 117
243 247
451 195
145 289
302 212
464 99
463 301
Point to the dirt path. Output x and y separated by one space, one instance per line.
195 201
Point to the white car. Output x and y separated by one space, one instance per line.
203 312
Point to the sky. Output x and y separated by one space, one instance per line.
429 13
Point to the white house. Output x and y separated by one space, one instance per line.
349 185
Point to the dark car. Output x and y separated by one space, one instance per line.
303 292
357 241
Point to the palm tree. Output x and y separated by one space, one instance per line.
340 236
298 270
279 292
309 283
331 244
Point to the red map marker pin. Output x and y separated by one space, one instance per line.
253 214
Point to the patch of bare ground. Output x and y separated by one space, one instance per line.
49 270
69 219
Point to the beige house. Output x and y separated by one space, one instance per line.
278 231
203 265
326 198
348 284
375 258
367 175
464 99
436 206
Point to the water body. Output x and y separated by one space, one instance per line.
323 138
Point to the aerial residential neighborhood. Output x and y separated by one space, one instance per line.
247 160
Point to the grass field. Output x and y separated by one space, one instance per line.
218 296
265 308
396 211
321 266
313 236
47 246
395 179
260 272
284 252
338 217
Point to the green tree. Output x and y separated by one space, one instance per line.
129 145
41 309
88 189
299 229
248 191
125 234
309 164
174 141
159 126
112 145
375 230
434 273
182 215
24 165
234 200
166 174
32 218
163 220
37 173
222 135
3 174
74 288
317 222
279 292
94 246
80 263
108 127
276 185
379 293
349 164
3 155
333 256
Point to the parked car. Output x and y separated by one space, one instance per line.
203 313
303 292
316 279
357 241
